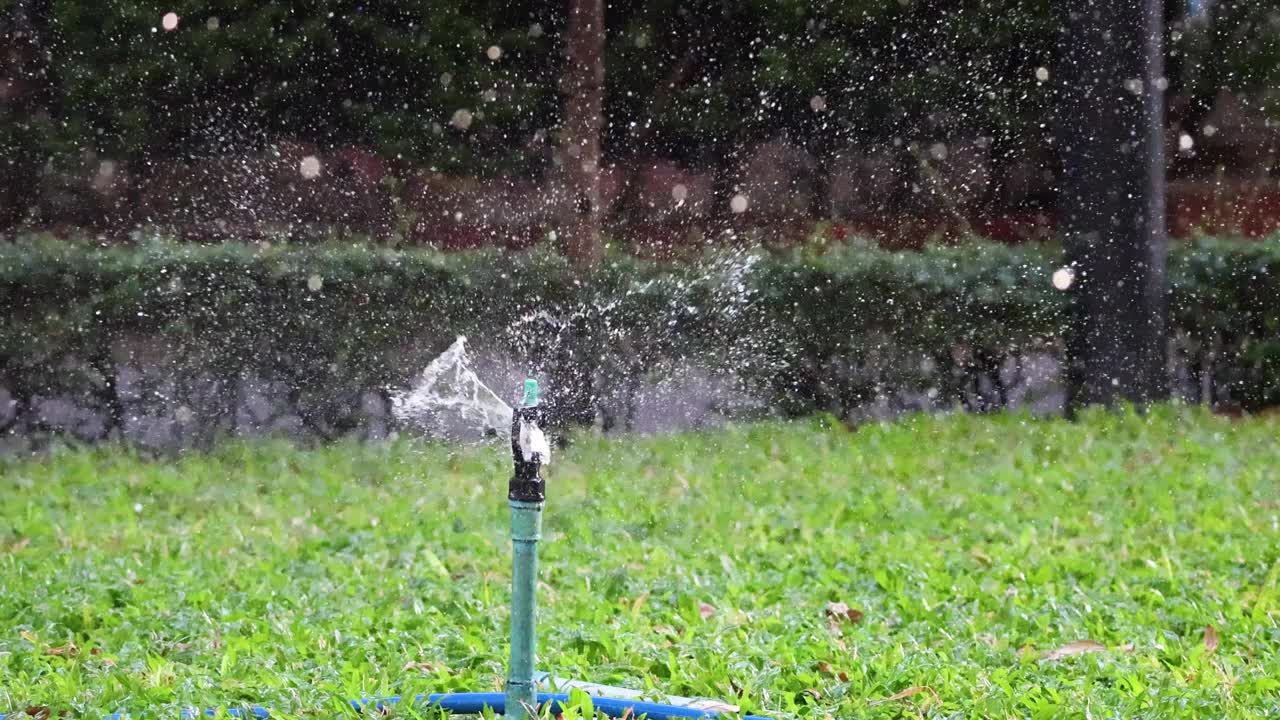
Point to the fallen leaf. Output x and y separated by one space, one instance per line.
1210 639
423 666
841 611
68 650
980 556
826 669
813 693
844 676
39 712
639 603
1079 647
18 545
706 611
904 694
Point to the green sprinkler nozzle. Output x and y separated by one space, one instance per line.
530 393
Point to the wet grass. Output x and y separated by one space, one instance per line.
991 568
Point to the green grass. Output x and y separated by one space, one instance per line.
702 564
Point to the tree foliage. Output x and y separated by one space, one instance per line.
471 87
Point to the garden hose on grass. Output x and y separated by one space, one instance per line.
475 704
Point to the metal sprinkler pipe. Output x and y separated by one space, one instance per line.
526 494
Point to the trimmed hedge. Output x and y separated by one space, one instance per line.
814 329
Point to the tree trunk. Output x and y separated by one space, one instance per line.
1112 199
25 73
583 90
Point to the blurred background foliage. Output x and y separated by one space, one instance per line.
472 87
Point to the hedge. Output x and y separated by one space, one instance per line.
811 329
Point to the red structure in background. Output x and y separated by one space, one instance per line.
1193 209
361 195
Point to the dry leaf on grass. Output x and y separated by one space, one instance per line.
666 630
68 650
827 669
706 610
841 611
421 666
1210 639
904 694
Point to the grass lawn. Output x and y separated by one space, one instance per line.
991 567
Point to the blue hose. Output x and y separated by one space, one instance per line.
474 704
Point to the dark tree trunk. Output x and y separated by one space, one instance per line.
583 89
1112 199
24 71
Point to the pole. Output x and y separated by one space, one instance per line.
525 494
526 530
1110 132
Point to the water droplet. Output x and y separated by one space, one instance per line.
1185 142
679 192
1042 74
169 22
461 119
535 30
314 283
1063 278
739 203
213 23
493 53
817 103
309 168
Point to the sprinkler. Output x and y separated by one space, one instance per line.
526 493
527 690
